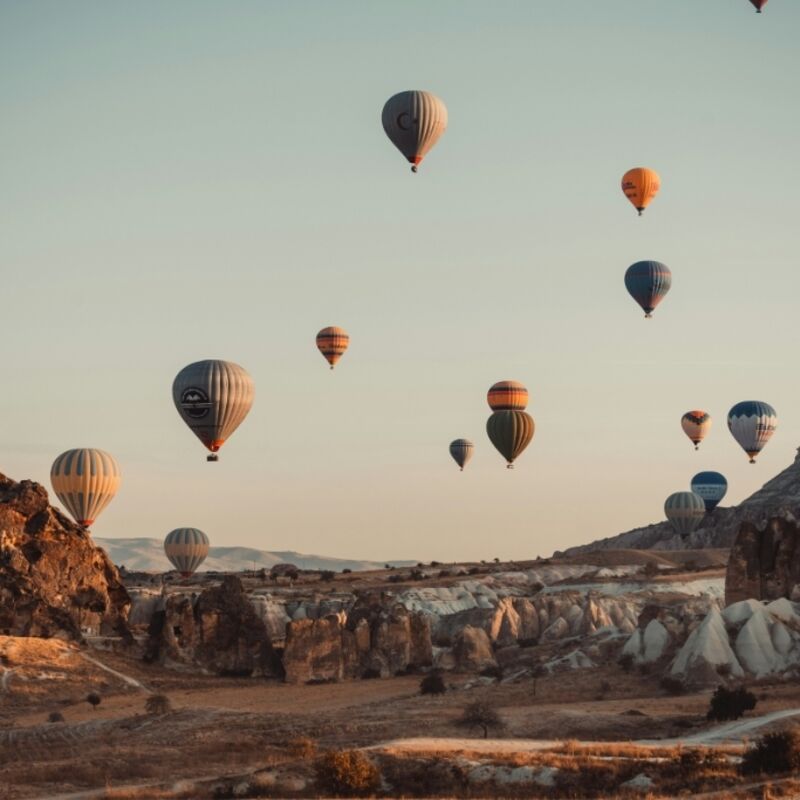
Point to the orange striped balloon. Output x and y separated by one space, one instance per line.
332 342
85 481
640 186
507 396
696 425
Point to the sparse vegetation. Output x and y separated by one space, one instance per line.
626 661
55 716
346 571
432 684
773 753
302 747
347 773
158 704
370 673
650 569
493 671
93 699
728 704
417 575
481 715
327 575
672 685
537 672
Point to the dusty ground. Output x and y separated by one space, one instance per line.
232 726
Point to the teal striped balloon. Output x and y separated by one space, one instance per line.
186 548
685 511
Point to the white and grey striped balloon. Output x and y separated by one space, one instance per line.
685 511
186 548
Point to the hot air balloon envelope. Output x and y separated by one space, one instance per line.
186 548
640 185
332 342
696 425
685 511
507 396
510 432
752 423
85 481
647 283
711 486
414 121
461 451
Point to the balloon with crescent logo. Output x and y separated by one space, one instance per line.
85 480
213 398
696 425
759 4
461 450
647 283
685 511
186 549
414 121
507 396
640 185
332 342
752 423
510 432
711 486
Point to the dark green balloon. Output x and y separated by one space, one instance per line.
510 432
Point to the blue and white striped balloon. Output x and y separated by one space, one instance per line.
711 486
752 423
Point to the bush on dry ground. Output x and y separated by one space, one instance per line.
347 773
727 704
432 684
773 753
158 704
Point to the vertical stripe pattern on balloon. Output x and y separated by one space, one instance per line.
85 480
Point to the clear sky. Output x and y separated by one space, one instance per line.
192 179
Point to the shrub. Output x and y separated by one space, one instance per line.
650 569
474 570
327 575
417 575
626 662
672 685
302 747
773 752
55 716
435 564
432 684
346 571
495 671
158 704
347 773
93 699
480 715
395 578
727 704
370 672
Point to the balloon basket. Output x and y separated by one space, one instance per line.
213 457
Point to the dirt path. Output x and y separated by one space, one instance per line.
124 678
732 732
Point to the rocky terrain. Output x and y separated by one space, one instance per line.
53 580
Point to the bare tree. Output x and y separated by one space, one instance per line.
93 699
481 715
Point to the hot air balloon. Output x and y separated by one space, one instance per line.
752 424
186 548
510 432
696 425
647 283
759 4
685 511
461 450
507 396
213 397
85 481
711 486
332 342
640 186
414 121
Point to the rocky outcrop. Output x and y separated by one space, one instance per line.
377 637
765 561
218 630
54 581
719 529
473 650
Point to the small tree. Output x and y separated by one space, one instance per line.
327 575
480 715
773 753
55 716
158 704
727 704
432 684
347 773
650 569
93 699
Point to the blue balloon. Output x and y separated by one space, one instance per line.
711 486
647 283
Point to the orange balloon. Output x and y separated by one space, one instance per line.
507 396
640 186
696 424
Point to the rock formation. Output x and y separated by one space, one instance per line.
218 630
54 581
765 561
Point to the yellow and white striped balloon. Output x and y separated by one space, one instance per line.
186 548
85 480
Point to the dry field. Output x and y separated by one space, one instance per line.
236 732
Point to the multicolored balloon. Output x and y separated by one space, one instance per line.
696 425
759 4
186 549
640 185
752 424
461 450
213 398
414 121
85 481
510 432
647 283
711 486
685 512
507 396
332 342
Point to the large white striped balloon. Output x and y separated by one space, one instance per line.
85 480
213 397
752 423
685 511
186 548
414 121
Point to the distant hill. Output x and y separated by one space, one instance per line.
147 555
781 493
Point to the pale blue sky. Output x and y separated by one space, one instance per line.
187 180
